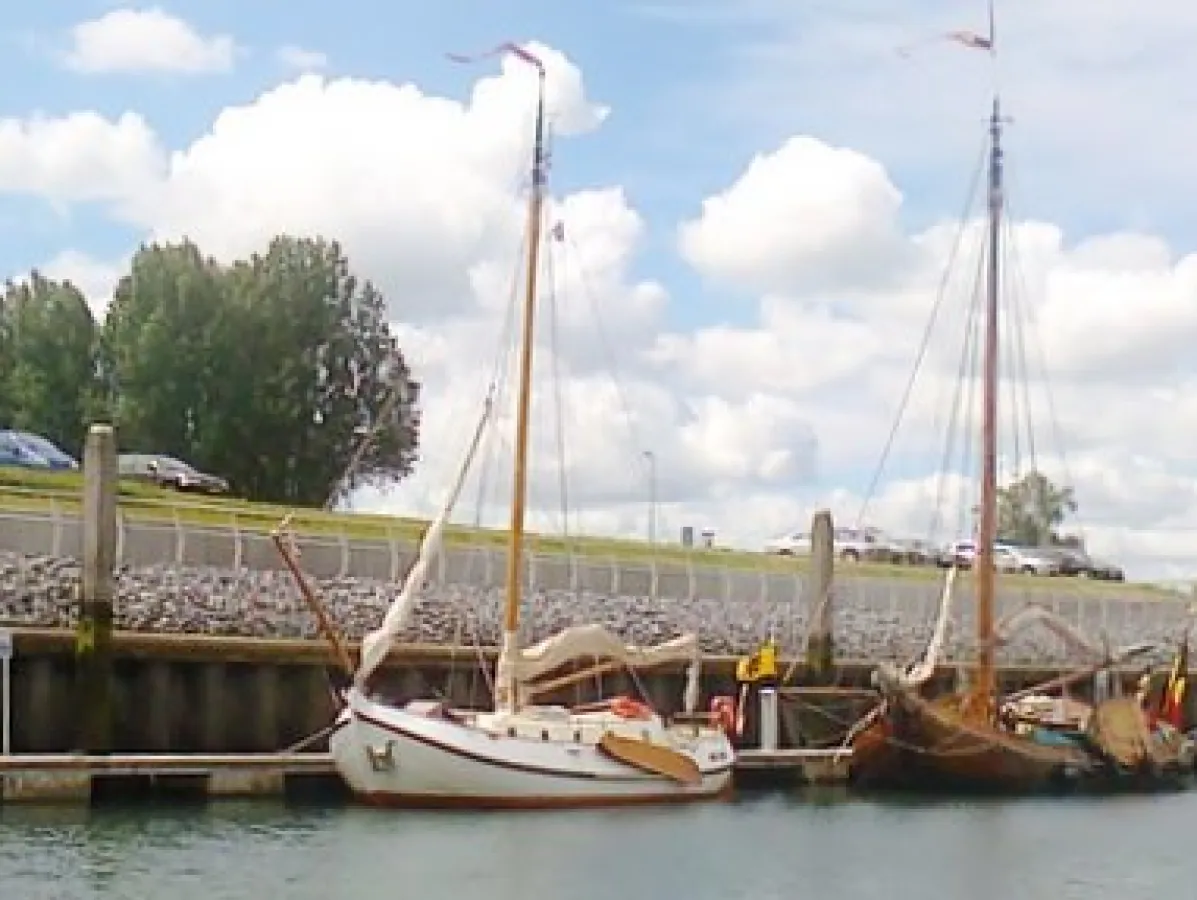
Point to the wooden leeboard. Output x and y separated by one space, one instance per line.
650 757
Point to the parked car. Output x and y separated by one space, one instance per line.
16 453
1073 561
959 553
1105 571
168 471
46 449
852 544
1027 560
914 551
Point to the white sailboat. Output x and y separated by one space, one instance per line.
519 754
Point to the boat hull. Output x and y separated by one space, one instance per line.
419 757
929 747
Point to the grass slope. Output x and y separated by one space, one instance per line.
26 490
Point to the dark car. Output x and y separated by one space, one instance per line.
167 471
1073 561
1106 571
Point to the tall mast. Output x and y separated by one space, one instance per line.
986 685
515 543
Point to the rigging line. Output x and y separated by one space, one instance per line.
952 416
1021 304
605 344
969 364
1053 418
1010 372
555 364
500 372
971 464
1017 358
926 339
954 426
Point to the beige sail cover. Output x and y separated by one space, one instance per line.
596 642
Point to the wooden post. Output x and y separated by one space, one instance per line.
93 636
820 645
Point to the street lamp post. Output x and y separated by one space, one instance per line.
652 495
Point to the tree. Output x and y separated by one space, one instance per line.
269 372
47 360
1031 509
162 349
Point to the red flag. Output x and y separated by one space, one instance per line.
508 47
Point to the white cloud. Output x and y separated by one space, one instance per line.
79 157
141 40
754 420
294 57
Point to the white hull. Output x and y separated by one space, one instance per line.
416 756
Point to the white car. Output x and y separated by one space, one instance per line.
853 544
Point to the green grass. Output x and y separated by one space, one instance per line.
25 490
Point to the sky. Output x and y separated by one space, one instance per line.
759 199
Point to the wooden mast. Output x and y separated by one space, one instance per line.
986 682
515 543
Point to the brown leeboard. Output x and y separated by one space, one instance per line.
650 757
1120 728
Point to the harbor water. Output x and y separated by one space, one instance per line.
757 847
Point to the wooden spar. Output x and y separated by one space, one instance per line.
1063 681
986 681
326 625
552 684
515 543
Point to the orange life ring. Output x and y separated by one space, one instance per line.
627 708
723 713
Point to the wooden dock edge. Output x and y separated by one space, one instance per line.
83 779
800 765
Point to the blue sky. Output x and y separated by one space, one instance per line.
697 90
655 64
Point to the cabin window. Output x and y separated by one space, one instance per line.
511 731
644 734
544 734
577 737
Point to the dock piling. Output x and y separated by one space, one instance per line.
93 637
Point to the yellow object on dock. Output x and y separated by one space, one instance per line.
758 666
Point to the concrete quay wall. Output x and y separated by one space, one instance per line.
192 694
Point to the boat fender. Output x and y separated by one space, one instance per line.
627 708
723 712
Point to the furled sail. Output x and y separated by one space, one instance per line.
377 644
925 668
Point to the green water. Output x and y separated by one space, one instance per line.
762 847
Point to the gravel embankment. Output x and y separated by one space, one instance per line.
874 619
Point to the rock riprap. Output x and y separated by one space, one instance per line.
872 621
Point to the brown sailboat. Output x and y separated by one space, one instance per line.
972 739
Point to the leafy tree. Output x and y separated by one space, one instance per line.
337 376
47 360
1031 509
161 348
270 372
